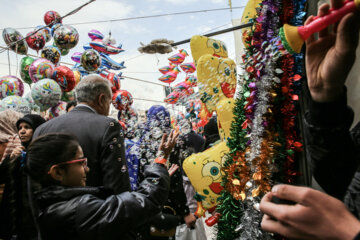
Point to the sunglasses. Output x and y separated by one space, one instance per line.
83 162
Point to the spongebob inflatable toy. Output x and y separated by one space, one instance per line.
217 83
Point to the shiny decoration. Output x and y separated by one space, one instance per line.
11 85
66 37
188 67
76 57
77 76
58 110
68 96
52 17
54 28
65 77
179 57
24 69
45 31
122 99
107 48
40 69
90 60
35 41
113 78
15 103
11 36
52 54
95 34
46 93
33 106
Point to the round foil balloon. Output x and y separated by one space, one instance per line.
40 69
46 93
68 96
45 31
122 99
35 41
66 37
54 27
52 17
64 76
90 60
51 53
33 106
24 69
57 110
77 76
11 85
76 57
15 103
11 36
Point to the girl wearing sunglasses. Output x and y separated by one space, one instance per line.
67 209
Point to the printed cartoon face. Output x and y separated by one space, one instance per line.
216 80
205 172
201 45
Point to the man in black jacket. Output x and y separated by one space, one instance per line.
100 137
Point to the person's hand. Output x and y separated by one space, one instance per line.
17 152
173 169
314 216
330 58
167 144
190 220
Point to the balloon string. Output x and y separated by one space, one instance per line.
9 61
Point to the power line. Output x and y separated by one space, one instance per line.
148 16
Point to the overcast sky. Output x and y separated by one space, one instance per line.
25 13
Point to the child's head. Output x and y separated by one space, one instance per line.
57 159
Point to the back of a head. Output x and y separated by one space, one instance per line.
8 119
89 88
48 150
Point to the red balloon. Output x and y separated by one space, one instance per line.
36 41
113 79
52 17
65 77
122 99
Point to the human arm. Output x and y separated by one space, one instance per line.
314 216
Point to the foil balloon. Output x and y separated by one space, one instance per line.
45 31
35 41
166 69
95 34
66 37
11 85
52 17
24 69
65 77
90 60
77 76
170 76
68 96
179 57
15 103
201 45
54 27
100 46
107 62
172 98
76 57
40 69
11 36
64 52
113 79
46 93
191 80
58 110
122 99
52 54
188 67
33 106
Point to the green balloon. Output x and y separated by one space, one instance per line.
24 69
68 96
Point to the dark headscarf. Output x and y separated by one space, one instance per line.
33 120
211 132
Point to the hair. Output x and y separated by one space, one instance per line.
48 150
89 88
70 104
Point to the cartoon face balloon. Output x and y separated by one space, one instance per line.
90 60
40 69
122 99
64 76
57 110
52 54
24 69
52 17
66 37
11 85
15 103
35 41
201 45
11 36
46 93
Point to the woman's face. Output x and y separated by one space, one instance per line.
75 174
25 132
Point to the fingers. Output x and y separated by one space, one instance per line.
323 10
163 139
296 194
270 225
348 33
277 211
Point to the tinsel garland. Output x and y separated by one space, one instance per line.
263 138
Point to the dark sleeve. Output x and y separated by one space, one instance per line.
124 212
4 170
333 153
112 159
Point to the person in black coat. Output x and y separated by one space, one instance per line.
100 137
67 209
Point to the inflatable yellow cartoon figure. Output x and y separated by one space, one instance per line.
217 82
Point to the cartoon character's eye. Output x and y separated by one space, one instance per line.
216 46
212 169
227 71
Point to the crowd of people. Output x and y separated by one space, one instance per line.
78 176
